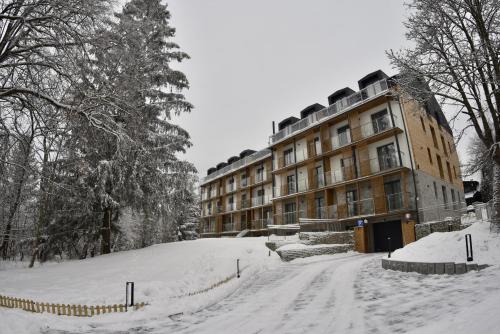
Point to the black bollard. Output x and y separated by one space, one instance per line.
389 242
468 247
238 267
129 286
450 227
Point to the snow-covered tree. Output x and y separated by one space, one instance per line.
456 55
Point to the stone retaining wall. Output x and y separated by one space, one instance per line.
438 268
291 254
329 238
424 229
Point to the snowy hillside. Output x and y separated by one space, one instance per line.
450 246
162 273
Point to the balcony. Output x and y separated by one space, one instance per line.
261 200
237 165
260 224
230 187
245 204
339 107
229 227
341 140
231 207
261 177
208 228
380 164
289 217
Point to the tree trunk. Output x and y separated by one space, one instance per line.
106 232
495 210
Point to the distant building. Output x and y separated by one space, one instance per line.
472 193
374 158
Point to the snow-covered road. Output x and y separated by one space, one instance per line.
293 298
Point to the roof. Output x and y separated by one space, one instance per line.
311 109
246 152
340 94
371 78
287 121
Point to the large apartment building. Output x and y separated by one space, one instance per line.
373 159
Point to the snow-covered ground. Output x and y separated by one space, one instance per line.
342 293
450 246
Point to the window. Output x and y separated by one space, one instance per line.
449 146
444 146
453 199
231 203
317 146
433 133
440 166
351 197
387 156
454 172
435 190
380 121
445 197
393 195
231 184
244 181
430 156
320 179
290 215
320 210
290 180
449 171
422 122
289 159
260 174
244 203
344 135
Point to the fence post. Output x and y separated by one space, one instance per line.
238 267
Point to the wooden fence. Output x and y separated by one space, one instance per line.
63 309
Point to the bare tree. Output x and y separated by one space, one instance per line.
456 56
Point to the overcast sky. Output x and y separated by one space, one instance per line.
254 62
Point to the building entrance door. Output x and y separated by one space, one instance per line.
381 231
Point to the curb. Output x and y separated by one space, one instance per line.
432 268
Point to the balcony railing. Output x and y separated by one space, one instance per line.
380 164
230 187
289 217
237 165
341 140
261 200
208 228
231 207
228 227
261 177
245 204
261 224
376 126
338 107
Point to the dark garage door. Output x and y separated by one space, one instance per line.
381 231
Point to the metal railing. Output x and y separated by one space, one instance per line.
380 164
237 164
338 107
289 217
260 224
228 227
261 200
341 140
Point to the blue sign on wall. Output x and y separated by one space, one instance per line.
361 222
